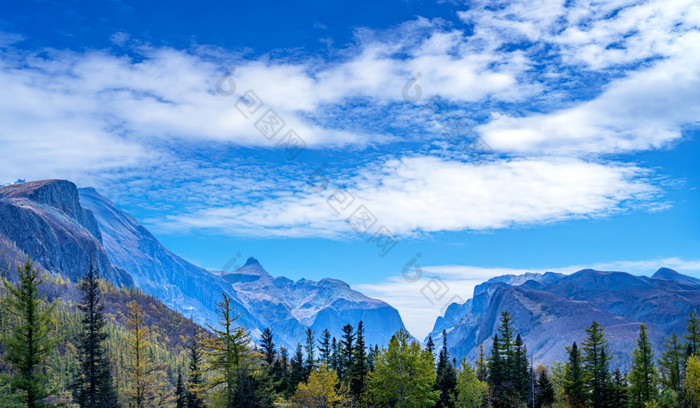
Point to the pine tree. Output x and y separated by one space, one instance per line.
335 357
496 373
619 396
671 364
297 372
692 336
446 377
346 347
506 366
481 367
430 346
94 386
227 351
520 372
180 397
267 344
195 380
250 391
544 390
324 347
310 349
29 344
574 379
359 370
642 376
596 365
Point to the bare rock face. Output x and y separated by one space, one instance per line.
45 221
552 311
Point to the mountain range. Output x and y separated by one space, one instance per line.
552 310
64 229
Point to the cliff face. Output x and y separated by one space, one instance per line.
551 312
45 221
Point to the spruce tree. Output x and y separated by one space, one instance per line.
642 376
481 367
574 379
195 380
29 344
671 364
335 357
496 373
267 344
544 391
359 370
430 346
346 347
180 397
310 349
692 336
324 347
446 377
619 396
596 363
520 373
94 386
297 372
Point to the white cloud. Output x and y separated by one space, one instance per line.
421 300
426 194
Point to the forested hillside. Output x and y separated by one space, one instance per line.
97 345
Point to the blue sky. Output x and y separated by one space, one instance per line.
482 137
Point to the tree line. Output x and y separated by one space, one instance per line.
222 367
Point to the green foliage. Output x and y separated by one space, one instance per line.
596 363
692 336
507 366
642 376
30 343
446 382
671 364
692 381
544 390
404 375
471 392
359 368
574 382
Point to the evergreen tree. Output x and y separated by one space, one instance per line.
507 366
250 391
346 348
574 382
619 396
335 357
642 376
671 364
226 351
195 380
29 344
310 349
692 336
324 347
180 396
544 390
470 391
446 377
496 373
267 344
404 375
297 372
359 370
93 387
520 373
481 368
596 365
430 346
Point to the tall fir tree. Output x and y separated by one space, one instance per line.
642 376
596 363
430 346
267 345
310 348
324 348
195 376
346 348
446 377
692 336
297 371
574 382
180 393
481 367
335 357
620 390
544 391
93 386
29 344
671 364
496 373
359 370
520 372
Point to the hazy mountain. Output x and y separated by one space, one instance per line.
551 311
328 303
